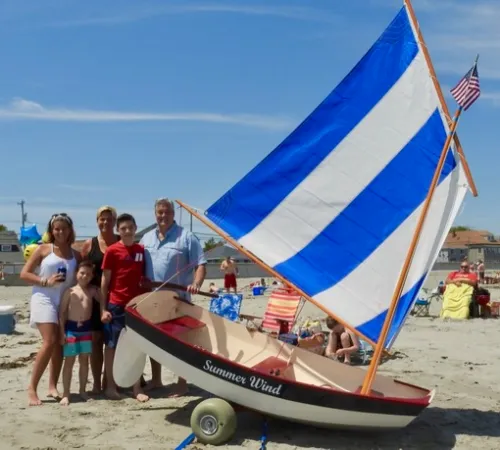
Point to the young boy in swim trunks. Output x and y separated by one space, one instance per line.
76 331
341 343
123 269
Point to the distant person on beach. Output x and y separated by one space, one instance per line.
480 270
76 328
230 270
341 343
93 250
173 254
123 270
213 289
57 263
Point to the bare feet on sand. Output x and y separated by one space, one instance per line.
152 385
33 398
139 394
141 397
96 390
64 401
113 394
54 393
180 390
84 396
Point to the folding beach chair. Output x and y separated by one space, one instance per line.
422 305
227 306
280 313
421 308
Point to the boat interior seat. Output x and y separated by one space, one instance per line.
181 325
156 311
272 366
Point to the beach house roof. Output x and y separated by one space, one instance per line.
466 238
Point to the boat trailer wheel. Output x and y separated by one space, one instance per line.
213 421
209 425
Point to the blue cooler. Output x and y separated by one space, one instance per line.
7 320
258 290
289 338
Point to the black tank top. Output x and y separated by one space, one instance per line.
96 257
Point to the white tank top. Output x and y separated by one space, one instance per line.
48 267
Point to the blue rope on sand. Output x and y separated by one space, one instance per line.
191 438
186 442
263 438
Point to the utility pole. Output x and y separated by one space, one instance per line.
23 214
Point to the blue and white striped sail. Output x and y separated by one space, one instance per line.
334 207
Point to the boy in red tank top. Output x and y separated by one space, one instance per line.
123 269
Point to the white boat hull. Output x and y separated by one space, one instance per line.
256 371
266 404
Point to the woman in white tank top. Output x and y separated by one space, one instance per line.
43 271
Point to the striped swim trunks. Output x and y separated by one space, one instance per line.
78 338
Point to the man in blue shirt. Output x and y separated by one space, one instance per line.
172 255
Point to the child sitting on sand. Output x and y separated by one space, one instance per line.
213 289
341 342
76 331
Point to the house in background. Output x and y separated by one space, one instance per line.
473 244
10 248
11 258
221 252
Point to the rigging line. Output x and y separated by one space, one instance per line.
188 266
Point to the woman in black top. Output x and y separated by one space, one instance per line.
93 250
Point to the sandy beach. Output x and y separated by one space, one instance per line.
460 360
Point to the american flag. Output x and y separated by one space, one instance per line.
467 91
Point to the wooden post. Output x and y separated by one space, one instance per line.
269 269
372 370
437 86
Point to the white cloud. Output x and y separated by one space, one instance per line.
286 12
456 30
21 109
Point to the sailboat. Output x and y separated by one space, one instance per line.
350 211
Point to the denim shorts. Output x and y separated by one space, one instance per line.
113 329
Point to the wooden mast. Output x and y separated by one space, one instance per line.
372 370
437 86
264 266
370 376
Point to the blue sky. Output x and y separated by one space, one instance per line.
105 102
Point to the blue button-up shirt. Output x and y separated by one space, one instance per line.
173 259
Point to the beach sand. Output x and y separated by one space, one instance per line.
460 360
